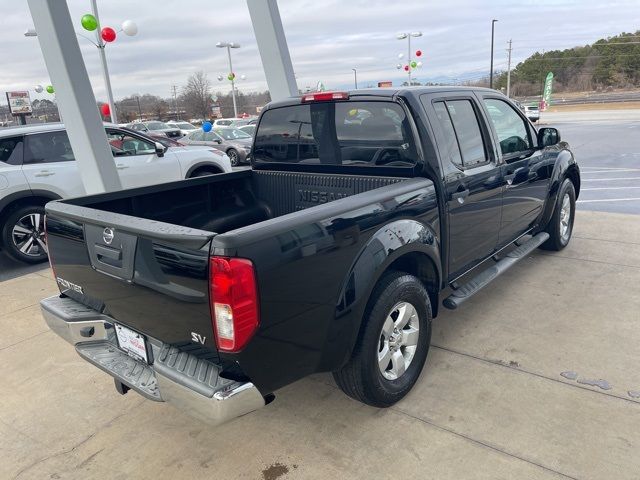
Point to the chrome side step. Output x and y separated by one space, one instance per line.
484 278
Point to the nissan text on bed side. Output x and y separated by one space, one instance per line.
331 254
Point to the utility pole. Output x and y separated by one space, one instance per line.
493 24
509 71
139 109
175 102
355 77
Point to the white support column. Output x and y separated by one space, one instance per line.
272 45
76 101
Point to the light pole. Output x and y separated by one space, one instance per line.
103 60
355 77
402 36
229 46
493 24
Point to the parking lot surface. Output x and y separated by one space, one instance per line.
491 403
606 144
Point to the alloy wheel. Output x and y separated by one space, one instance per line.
28 235
398 340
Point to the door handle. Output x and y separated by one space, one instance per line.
509 178
120 166
460 194
44 173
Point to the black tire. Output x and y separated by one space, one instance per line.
362 377
203 172
233 155
558 236
15 236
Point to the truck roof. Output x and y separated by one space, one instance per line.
386 92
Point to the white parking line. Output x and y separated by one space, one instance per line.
605 188
608 179
609 200
589 172
606 168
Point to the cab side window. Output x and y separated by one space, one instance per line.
50 147
511 128
123 144
460 126
11 150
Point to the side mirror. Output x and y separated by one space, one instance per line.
548 136
218 141
160 149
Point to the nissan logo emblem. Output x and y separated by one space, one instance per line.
107 235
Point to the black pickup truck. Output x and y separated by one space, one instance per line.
362 211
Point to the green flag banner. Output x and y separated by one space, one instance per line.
546 94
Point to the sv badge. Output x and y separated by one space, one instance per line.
196 337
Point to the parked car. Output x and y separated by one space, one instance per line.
158 128
37 165
185 127
234 122
532 112
235 143
248 129
331 254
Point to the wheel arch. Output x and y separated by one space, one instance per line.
404 245
25 197
203 166
565 166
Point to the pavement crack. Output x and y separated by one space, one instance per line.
587 260
468 438
77 445
484 444
500 363
24 340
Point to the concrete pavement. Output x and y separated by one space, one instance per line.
491 402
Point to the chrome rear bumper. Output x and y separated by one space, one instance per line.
191 384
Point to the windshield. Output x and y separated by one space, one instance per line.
231 133
184 126
157 126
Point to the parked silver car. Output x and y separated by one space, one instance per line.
156 128
232 141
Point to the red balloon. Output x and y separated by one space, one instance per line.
418 53
406 68
108 34
105 110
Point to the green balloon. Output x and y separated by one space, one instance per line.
414 64
89 22
231 76
49 89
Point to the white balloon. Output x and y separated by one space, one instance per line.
243 77
220 77
401 55
419 64
398 66
39 88
129 28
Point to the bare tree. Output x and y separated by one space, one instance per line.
196 96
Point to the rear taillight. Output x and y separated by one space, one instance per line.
234 302
324 96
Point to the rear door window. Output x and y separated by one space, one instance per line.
369 134
11 150
50 147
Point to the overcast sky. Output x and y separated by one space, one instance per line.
326 38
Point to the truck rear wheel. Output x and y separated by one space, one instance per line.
393 344
560 226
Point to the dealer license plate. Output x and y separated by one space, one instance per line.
132 343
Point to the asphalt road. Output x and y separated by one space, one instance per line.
607 147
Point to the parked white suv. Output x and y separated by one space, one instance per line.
37 165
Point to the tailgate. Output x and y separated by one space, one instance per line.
148 275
